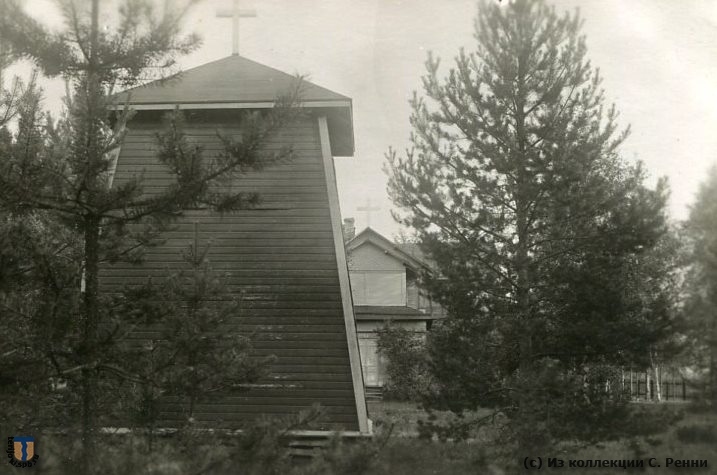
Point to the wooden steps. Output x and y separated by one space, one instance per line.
374 393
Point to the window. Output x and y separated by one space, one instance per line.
372 362
379 288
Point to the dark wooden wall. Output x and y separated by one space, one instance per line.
280 256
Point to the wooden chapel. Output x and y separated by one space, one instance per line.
286 255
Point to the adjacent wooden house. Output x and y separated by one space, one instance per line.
286 257
385 288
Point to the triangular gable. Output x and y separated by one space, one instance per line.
236 82
368 235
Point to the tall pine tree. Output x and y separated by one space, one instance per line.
61 170
515 188
700 305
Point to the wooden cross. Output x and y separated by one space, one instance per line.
368 209
235 13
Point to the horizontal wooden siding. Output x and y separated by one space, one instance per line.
279 258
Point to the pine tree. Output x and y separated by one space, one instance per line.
39 279
700 306
61 170
515 188
198 352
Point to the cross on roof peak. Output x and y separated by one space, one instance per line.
367 208
235 13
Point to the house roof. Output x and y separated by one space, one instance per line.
413 250
407 253
380 312
236 82
234 79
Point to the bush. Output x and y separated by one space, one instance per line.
697 434
409 376
262 448
345 457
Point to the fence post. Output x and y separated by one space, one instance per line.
652 389
684 391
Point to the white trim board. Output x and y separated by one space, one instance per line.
343 269
223 105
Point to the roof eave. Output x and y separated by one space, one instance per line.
389 317
339 113
146 106
374 237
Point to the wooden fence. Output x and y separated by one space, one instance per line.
643 388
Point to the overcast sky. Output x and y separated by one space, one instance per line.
658 59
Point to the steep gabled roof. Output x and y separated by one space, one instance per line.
408 254
412 249
234 79
236 82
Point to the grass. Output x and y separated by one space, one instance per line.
414 457
694 437
403 417
686 440
691 436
